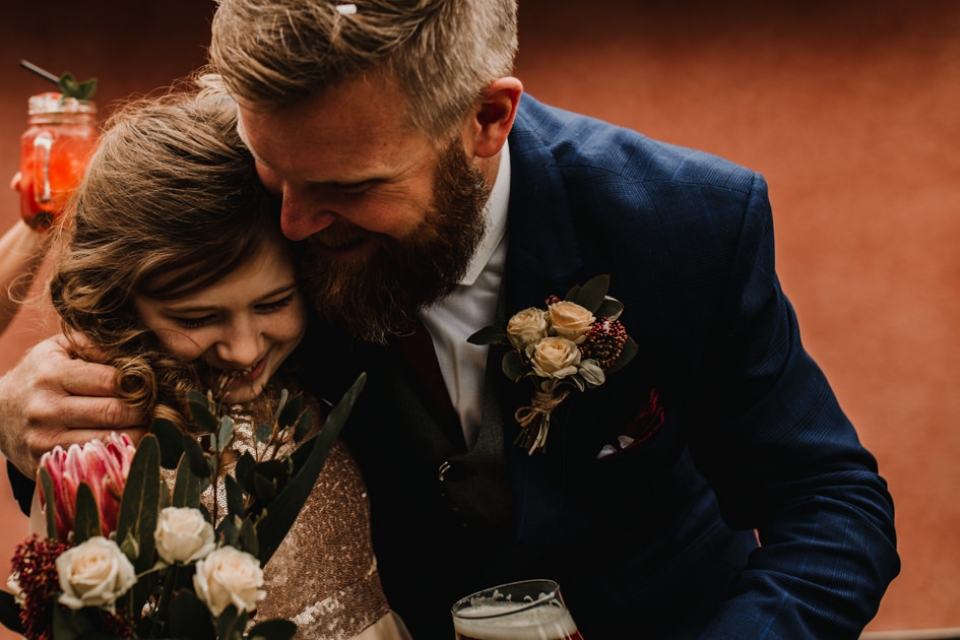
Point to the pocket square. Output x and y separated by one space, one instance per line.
639 430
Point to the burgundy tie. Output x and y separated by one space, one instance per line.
417 348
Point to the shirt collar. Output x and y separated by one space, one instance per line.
495 215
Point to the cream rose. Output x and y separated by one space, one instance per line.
13 584
526 328
555 358
94 574
229 576
570 320
183 535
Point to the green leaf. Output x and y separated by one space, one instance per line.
512 365
228 532
609 308
86 521
489 335
231 623
304 424
190 618
10 613
591 295
46 485
71 88
248 538
275 629
186 488
264 488
629 350
200 410
235 505
171 448
225 433
291 412
130 547
273 527
281 403
264 432
242 471
196 457
140 505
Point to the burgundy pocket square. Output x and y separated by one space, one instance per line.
640 429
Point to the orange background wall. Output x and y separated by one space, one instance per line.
850 110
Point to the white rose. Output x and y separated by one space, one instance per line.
229 576
183 535
570 320
94 574
555 358
526 328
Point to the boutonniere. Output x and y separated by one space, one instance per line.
574 343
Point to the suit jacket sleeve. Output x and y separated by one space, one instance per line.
783 458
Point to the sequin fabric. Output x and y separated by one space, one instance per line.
323 576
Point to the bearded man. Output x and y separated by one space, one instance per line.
433 198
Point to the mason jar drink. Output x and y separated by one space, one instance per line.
527 610
54 150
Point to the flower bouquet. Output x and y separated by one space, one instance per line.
573 343
127 556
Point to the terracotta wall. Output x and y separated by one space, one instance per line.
848 108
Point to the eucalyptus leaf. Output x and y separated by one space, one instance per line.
235 505
171 448
46 485
189 618
609 309
186 487
304 425
276 629
248 538
489 335
513 366
10 613
225 433
292 410
264 488
281 403
274 525
264 433
199 407
242 471
231 623
592 294
228 532
629 350
86 519
196 457
140 505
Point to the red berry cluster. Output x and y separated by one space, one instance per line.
35 562
604 342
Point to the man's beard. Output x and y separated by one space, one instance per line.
380 294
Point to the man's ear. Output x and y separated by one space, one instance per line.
492 118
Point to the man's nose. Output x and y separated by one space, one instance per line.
304 212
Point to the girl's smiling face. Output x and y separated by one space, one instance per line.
246 324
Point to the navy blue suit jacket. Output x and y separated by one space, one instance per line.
657 541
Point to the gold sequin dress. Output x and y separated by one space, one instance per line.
323 576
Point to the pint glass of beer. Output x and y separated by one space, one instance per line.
527 610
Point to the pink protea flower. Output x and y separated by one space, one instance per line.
102 465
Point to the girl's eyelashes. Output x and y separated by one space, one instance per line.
262 308
194 323
276 305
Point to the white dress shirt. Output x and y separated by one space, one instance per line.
471 307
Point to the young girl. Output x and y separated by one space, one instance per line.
177 274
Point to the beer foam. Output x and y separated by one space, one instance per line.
496 622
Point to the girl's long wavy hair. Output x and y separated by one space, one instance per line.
169 205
